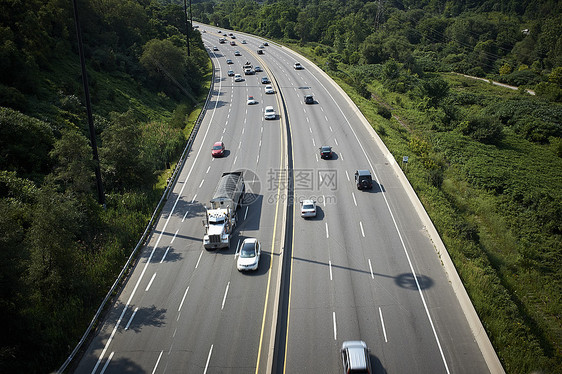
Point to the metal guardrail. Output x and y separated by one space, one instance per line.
169 187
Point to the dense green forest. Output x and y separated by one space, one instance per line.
60 249
485 161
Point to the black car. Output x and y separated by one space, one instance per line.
265 80
363 179
308 99
260 52
326 152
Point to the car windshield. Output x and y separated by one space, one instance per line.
217 147
326 149
307 206
248 250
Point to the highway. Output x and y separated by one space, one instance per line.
363 269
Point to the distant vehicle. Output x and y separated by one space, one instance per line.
249 256
251 100
220 218
260 51
265 80
249 71
238 78
215 48
355 357
230 34
228 61
237 53
222 40
232 42
261 46
218 149
326 152
269 89
298 66
230 73
247 65
244 41
363 179
269 113
219 32
265 43
308 99
232 37
308 208
257 69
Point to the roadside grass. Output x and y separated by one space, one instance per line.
497 209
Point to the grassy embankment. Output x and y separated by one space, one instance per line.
496 208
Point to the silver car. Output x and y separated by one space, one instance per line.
308 208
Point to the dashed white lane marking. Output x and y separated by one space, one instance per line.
150 283
157 361
198 260
354 201
225 293
383 328
208 359
185 215
131 319
361 225
107 363
347 175
330 264
183 298
336 140
371 268
327 232
209 168
200 184
335 329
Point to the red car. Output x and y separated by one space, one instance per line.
218 149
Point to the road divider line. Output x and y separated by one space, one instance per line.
157 362
361 225
131 319
208 359
225 293
174 238
165 253
150 283
335 329
183 298
192 200
199 259
246 214
336 140
382 323
107 363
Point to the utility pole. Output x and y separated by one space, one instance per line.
101 195
187 25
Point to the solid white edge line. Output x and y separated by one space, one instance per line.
208 359
225 293
131 319
371 268
383 328
183 298
157 361
150 283
335 329
107 363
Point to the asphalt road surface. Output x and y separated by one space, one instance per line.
363 269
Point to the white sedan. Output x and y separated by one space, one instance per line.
308 208
249 255
269 113
238 78
251 100
269 89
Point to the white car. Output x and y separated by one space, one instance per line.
269 89
249 255
230 73
269 113
237 53
308 208
238 78
298 66
251 100
215 48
